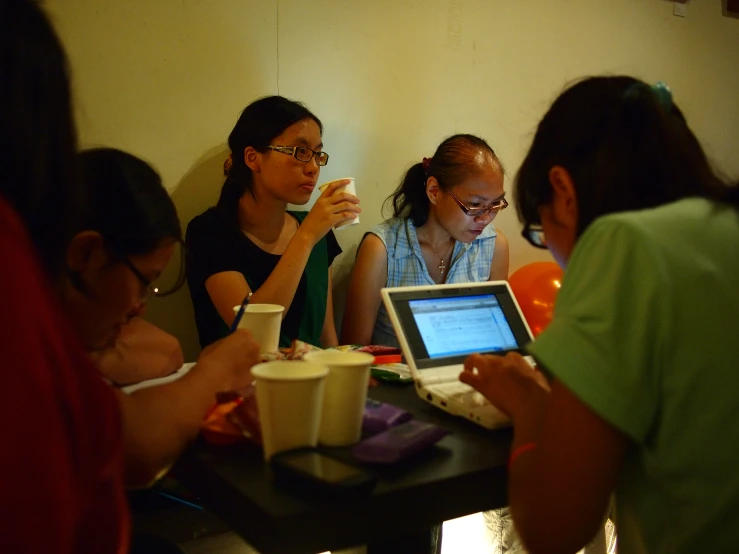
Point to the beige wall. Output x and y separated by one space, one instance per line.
390 79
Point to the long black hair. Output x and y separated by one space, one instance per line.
626 145
455 159
259 123
38 141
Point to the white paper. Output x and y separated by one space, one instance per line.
184 370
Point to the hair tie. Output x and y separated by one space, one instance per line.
227 165
426 163
663 94
660 90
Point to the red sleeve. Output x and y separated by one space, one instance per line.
61 463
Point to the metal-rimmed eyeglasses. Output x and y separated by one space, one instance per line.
534 234
301 153
494 208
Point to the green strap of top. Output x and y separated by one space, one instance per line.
314 309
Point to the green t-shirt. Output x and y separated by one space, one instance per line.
646 333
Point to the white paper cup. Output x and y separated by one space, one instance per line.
345 395
289 397
264 322
351 189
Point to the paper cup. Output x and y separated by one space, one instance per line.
351 189
345 395
289 397
264 322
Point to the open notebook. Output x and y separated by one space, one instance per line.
439 326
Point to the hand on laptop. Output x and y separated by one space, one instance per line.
509 382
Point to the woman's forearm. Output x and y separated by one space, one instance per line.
159 422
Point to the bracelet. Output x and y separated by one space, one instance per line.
518 451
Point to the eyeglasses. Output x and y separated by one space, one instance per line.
535 235
302 153
495 207
152 288
149 288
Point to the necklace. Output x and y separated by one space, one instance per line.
442 263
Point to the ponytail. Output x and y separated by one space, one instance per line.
228 201
409 199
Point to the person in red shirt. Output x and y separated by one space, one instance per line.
61 465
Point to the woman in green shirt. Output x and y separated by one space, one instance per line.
642 350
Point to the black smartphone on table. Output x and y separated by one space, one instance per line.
309 470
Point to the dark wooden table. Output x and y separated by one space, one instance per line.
464 473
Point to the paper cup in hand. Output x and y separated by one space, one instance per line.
289 397
345 395
351 189
264 322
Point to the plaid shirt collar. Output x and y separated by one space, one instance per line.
406 241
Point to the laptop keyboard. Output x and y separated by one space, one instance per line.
464 394
466 401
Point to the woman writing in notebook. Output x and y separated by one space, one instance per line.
441 232
115 260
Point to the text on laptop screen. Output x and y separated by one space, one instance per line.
462 325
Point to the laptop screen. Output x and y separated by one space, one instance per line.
462 325
443 325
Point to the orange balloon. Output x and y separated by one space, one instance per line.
535 287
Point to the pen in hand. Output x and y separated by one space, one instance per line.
240 313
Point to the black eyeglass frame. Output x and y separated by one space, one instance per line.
150 288
293 151
534 234
499 205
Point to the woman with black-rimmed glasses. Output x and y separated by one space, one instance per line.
642 351
441 232
130 216
115 264
250 242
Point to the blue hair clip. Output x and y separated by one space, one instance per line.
663 94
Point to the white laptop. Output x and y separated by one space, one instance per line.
438 326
